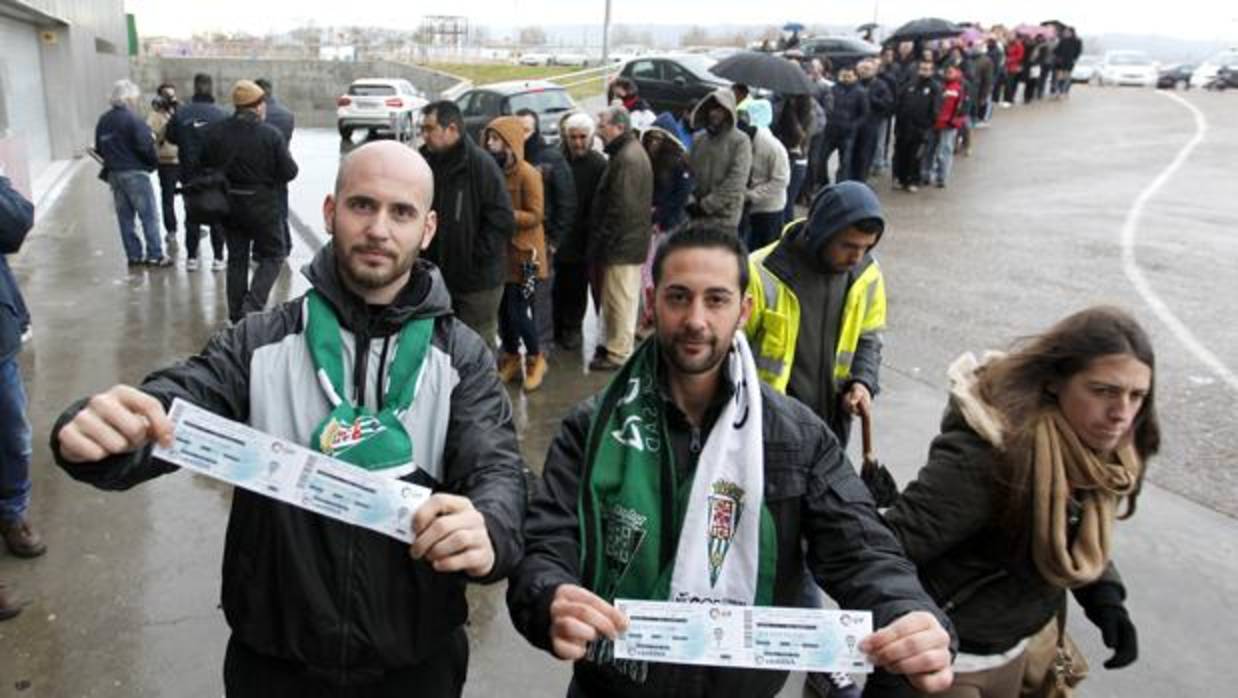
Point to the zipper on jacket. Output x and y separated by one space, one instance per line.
361 360
695 445
380 387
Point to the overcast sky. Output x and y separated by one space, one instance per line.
1215 20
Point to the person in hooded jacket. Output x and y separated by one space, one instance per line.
570 288
880 109
560 201
1038 450
526 254
672 175
318 607
721 160
766 197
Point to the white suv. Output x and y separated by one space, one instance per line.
380 105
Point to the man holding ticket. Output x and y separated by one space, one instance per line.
689 482
371 369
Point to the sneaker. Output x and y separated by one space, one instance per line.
27 334
163 262
21 539
169 241
509 367
8 607
534 372
911 188
832 685
191 265
218 265
603 362
940 184
136 263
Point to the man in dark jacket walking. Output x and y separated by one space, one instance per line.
16 219
285 122
571 282
188 132
255 159
919 101
848 111
686 391
622 222
475 218
127 147
318 607
880 109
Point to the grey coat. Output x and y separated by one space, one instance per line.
622 214
721 163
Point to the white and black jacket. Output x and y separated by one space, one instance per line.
347 603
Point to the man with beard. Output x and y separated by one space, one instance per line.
721 160
570 289
316 606
606 523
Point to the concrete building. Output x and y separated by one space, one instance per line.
58 60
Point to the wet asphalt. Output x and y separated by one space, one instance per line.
126 601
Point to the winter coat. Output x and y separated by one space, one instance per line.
158 122
721 162
16 219
475 218
587 172
188 131
281 118
951 113
671 190
1067 52
255 159
984 76
948 520
1014 57
125 142
622 218
771 173
524 188
918 104
794 125
345 602
850 108
880 99
813 495
558 187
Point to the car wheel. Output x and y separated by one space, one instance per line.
345 132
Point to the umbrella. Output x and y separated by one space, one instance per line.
764 70
971 35
880 482
1034 30
927 28
1054 23
793 27
871 26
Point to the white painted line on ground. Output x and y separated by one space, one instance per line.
1131 267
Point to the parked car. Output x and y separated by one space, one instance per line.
1226 78
380 105
482 104
536 58
1176 77
1127 68
842 51
1085 68
1207 70
571 58
673 82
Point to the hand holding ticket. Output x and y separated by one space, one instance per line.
237 454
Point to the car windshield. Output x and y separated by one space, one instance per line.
371 90
1129 59
541 101
698 64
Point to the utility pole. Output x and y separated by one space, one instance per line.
606 35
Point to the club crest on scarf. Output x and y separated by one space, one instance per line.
625 531
337 438
726 505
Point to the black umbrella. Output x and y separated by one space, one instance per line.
870 26
927 28
880 481
764 70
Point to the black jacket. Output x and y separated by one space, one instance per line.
255 159
16 219
849 108
811 490
125 142
281 118
188 131
587 171
347 603
475 218
948 520
880 99
559 188
919 100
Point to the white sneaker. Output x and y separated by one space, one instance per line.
219 265
191 265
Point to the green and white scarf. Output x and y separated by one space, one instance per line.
355 433
643 534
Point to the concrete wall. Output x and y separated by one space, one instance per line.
308 88
83 46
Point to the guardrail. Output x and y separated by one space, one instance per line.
601 74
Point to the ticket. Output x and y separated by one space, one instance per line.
245 457
755 637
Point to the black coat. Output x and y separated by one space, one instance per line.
188 130
281 118
559 188
848 109
814 496
587 172
880 99
255 159
918 104
475 218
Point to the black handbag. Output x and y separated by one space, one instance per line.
206 197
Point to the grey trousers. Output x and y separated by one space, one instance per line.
480 311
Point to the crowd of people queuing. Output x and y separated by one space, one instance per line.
744 339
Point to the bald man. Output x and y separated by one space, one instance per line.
318 607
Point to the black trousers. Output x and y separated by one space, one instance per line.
248 674
907 145
864 150
193 237
569 293
266 245
169 175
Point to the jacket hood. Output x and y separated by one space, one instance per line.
722 96
966 404
511 131
665 124
836 208
425 295
760 112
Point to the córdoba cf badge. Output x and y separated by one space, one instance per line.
726 505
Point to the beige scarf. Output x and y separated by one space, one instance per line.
1062 465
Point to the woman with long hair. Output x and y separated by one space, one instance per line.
1041 450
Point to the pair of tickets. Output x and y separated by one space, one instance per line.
250 459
